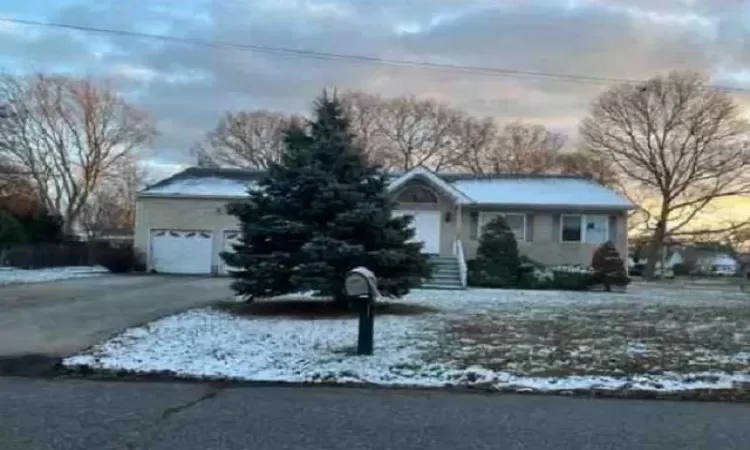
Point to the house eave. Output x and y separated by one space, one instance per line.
548 207
189 196
421 172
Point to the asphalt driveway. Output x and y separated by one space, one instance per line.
63 317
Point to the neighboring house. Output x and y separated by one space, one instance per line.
182 224
719 264
704 260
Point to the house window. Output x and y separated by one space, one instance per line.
572 231
516 222
596 229
417 194
474 225
589 229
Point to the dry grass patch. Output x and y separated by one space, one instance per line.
601 340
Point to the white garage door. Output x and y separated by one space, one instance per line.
230 238
182 252
427 228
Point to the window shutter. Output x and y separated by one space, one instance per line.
529 227
556 228
613 228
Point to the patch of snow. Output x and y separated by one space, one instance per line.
541 191
212 344
11 275
202 187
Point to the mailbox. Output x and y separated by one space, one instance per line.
360 282
362 287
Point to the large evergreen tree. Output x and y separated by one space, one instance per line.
319 212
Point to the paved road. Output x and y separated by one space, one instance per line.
60 318
81 415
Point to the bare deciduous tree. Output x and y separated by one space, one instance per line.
526 149
245 139
111 207
518 148
405 132
68 135
476 140
587 165
420 132
681 141
365 112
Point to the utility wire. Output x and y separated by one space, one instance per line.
350 57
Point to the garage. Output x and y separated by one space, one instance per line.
426 224
230 238
181 251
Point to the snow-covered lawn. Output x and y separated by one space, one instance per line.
649 338
10 275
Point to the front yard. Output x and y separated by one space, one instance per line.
650 338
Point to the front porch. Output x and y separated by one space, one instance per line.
437 221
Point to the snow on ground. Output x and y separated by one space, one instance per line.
646 339
11 275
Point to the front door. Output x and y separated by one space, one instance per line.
427 228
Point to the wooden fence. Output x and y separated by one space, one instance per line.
38 256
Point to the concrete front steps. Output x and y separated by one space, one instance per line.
446 273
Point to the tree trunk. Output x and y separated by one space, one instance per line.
655 248
68 229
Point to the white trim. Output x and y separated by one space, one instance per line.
459 196
482 214
149 266
582 221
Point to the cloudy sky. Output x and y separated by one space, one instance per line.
188 87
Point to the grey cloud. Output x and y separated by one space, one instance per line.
188 88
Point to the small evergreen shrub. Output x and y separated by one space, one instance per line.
573 278
497 263
11 230
123 259
537 279
608 266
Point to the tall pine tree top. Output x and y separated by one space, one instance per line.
321 211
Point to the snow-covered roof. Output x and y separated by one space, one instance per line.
507 190
720 260
204 182
201 187
542 191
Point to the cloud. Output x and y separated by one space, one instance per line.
187 88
